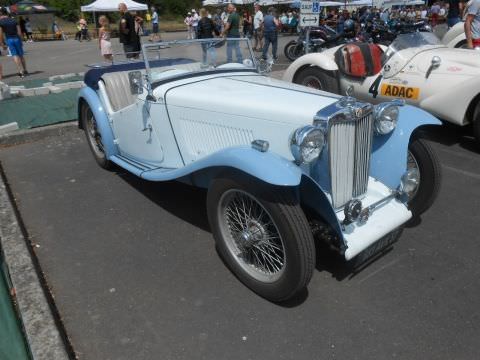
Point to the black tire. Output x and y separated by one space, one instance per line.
293 50
284 215
94 138
430 176
476 124
461 45
317 78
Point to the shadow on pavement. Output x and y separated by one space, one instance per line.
450 134
188 203
184 201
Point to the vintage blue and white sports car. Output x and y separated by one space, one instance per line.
283 164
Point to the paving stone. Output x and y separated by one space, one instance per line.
5 92
27 92
4 129
42 91
66 76
55 89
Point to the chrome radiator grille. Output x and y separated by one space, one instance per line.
350 145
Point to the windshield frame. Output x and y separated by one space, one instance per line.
206 71
401 51
402 40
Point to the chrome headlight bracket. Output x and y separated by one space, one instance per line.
307 144
386 116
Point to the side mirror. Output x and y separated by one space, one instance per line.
436 61
136 82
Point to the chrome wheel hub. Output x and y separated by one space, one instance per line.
414 172
251 236
312 82
93 135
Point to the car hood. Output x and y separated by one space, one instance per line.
453 61
253 96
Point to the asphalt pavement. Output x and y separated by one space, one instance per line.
135 275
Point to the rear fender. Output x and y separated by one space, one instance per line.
389 156
321 60
89 96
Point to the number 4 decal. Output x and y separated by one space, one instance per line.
374 87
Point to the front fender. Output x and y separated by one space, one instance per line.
323 61
89 96
389 156
265 166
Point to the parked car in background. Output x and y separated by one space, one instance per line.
283 164
416 68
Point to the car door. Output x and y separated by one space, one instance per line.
135 134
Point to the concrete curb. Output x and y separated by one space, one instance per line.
35 134
43 336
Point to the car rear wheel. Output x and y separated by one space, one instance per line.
462 45
317 78
94 138
423 163
476 124
263 236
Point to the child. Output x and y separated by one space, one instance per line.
104 38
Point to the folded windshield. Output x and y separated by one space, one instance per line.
171 59
415 42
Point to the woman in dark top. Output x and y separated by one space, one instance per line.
247 24
206 30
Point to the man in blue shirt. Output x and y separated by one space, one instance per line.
270 27
11 37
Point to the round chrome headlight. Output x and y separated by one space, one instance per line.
307 144
386 117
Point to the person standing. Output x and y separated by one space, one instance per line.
128 36
28 29
232 31
21 22
195 19
217 19
188 21
104 42
435 10
258 29
207 30
270 27
155 25
472 25
455 8
247 24
11 38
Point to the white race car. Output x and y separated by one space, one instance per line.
416 68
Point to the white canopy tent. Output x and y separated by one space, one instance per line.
112 5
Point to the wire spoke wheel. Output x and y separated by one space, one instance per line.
93 135
412 165
252 236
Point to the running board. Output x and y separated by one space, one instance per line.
134 166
